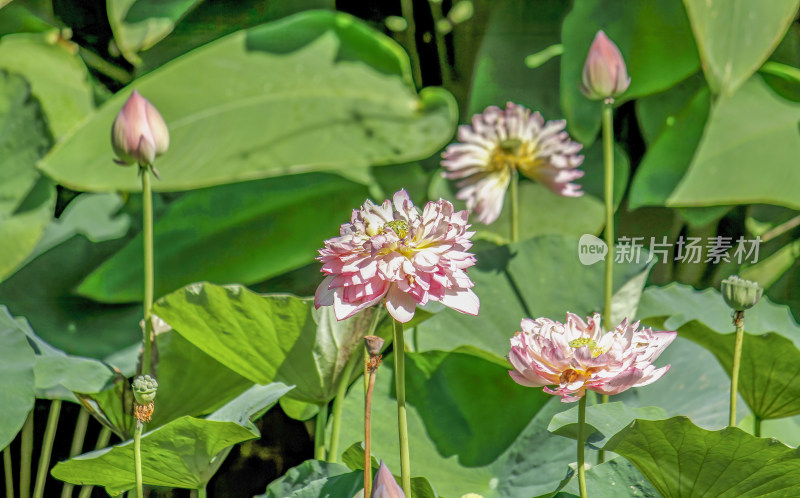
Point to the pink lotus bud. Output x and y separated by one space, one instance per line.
384 485
604 73
139 133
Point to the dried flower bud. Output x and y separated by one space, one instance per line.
385 485
144 389
139 133
373 344
604 72
740 294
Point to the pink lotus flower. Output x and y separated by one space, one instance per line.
139 133
604 72
575 356
385 485
392 252
501 142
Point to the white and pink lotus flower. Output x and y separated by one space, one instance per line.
392 252
576 356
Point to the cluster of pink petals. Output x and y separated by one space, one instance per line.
575 356
392 252
501 142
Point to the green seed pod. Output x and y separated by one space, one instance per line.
144 389
740 294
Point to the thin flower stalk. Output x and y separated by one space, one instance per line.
26 457
320 425
47 448
402 423
8 468
373 345
76 447
581 446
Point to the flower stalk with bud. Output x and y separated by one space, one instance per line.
373 345
739 295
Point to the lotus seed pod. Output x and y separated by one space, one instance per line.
144 389
740 294
374 344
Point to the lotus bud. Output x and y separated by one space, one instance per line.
139 133
740 294
604 73
385 485
144 389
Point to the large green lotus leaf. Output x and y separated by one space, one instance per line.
58 374
139 24
316 91
314 478
604 420
753 127
253 230
678 304
516 30
58 77
611 479
17 381
681 459
670 154
655 39
26 203
18 18
43 289
184 453
734 37
208 20
539 277
267 338
658 112
695 386
522 460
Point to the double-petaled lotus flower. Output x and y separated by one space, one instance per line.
392 252
576 356
139 133
501 142
604 72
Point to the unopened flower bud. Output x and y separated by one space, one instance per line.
139 133
604 72
144 389
373 344
740 294
385 485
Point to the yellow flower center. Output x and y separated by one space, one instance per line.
515 153
585 341
399 227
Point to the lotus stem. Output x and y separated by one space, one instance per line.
581 444
147 237
402 424
77 446
757 426
338 403
102 442
47 448
738 320
9 472
319 432
407 9
26 457
373 345
137 459
514 194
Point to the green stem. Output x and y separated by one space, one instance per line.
608 160
402 424
47 448
407 9
737 357
147 237
319 432
202 493
77 446
441 46
26 457
581 443
9 471
102 442
338 403
137 459
514 199
368 433
757 428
